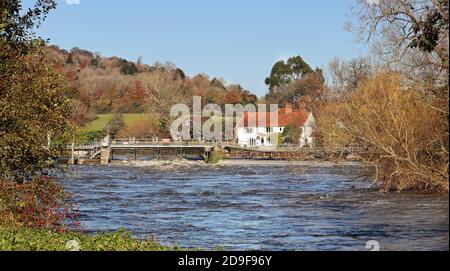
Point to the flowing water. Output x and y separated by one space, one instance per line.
256 206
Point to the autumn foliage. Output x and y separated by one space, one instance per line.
33 103
405 136
393 104
41 203
113 85
143 129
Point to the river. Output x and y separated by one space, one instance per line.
256 206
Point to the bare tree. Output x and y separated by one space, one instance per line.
162 93
349 75
407 34
406 140
398 111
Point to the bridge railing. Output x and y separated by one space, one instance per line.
138 142
159 142
86 145
292 147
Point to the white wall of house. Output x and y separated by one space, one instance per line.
257 137
261 136
306 137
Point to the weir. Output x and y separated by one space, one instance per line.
103 152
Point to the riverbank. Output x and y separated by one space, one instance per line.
26 239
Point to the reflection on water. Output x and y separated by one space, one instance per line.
249 206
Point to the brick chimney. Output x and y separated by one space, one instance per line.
288 108
301 105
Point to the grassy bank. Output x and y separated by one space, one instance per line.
25 239
101 120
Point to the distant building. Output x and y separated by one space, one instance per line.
254 132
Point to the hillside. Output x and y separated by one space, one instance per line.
104 85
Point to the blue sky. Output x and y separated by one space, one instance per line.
238 40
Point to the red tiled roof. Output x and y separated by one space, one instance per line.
285 118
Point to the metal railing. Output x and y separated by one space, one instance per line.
95 146
162 142
96 151
296 147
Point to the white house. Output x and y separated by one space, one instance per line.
253 131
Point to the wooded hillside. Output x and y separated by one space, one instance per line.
114 85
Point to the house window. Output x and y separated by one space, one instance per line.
269 130
249 130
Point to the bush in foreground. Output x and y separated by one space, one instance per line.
26 239
40 203
405 130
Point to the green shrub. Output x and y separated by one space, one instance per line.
115 125
89 136
216 156
25 239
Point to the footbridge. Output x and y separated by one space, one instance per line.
105 150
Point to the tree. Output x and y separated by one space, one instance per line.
179 74
349 75
427 33
249 98
411 38
232 98
291 133
16 27
309 89
139 61
285 72
81 115
293 81
319 73
162 92
407 140
411 34
129 68
69 59
115 125
32 101
220 83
